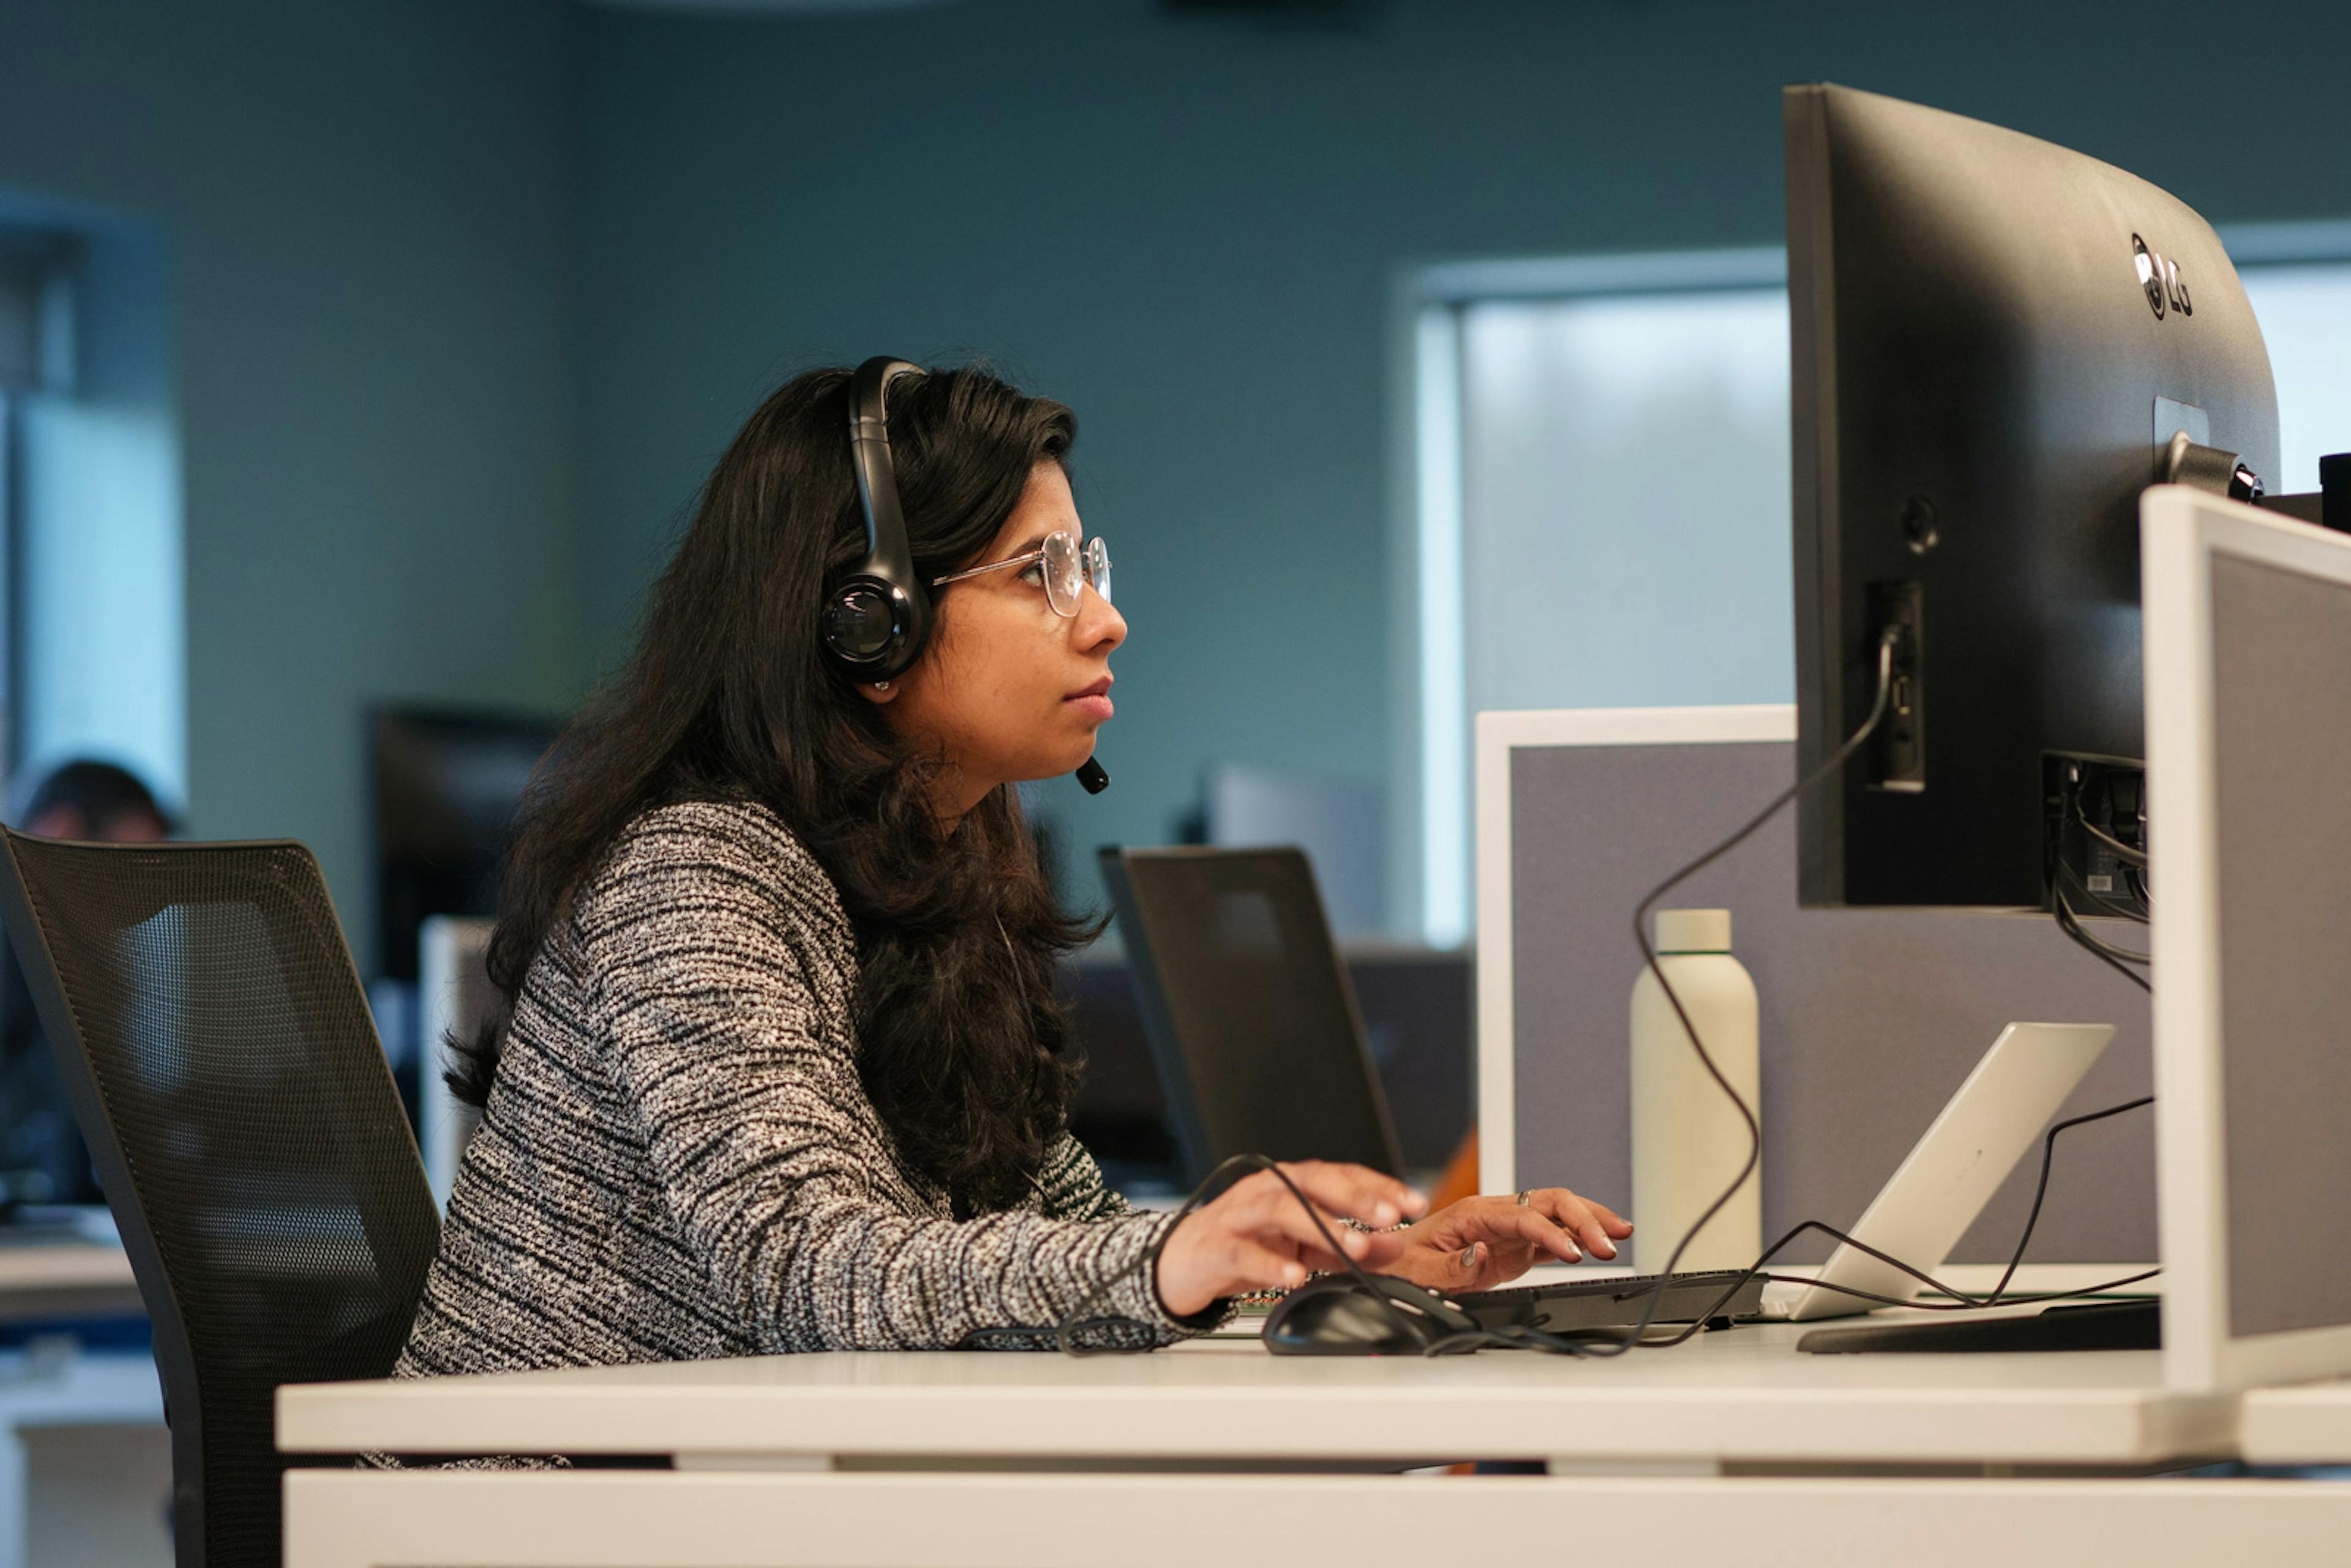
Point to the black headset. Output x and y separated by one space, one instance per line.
877 615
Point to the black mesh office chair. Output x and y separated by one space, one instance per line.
220 1057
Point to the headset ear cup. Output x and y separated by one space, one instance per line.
873 629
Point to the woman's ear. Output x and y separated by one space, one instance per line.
881 692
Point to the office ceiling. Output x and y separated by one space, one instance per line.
765 7
1271 10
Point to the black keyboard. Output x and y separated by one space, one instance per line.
1571 1305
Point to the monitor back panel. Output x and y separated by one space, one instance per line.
1870 1019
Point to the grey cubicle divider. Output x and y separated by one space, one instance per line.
1869 1019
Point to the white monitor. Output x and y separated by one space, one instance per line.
2248 682
455 993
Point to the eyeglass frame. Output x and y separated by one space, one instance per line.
1089 569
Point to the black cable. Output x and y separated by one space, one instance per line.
1131 1336
2123 852
1828 769
2113 958
1583 1342
2041 1189
1959 1299
2125 955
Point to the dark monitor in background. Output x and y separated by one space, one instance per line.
1248 1011
1418 1006
445 785
1995 343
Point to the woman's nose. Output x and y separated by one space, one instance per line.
1100 625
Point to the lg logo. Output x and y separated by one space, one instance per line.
2159 280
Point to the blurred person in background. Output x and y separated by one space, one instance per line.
42 1157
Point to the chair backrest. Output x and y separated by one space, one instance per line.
219 1053
1250 1015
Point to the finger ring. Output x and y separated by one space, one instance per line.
1522 1195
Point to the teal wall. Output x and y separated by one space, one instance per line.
1190 229
465 296
366 211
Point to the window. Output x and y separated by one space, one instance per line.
28 365
94 604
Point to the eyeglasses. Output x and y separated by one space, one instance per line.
1066 570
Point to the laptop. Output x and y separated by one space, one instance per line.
1939 1189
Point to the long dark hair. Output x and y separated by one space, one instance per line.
962 1043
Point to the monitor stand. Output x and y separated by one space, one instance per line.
2087 1326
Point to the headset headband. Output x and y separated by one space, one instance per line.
876 615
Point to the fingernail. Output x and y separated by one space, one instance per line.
1384 1214
1293 1274
1605 1251
1414 1196
1354 1241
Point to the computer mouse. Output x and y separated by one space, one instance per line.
1335 1315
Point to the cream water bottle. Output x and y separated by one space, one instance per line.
1689 1139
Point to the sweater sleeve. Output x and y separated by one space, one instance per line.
721 972
1070 1186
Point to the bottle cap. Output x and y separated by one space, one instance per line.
1693 931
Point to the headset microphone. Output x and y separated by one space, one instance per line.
1093 778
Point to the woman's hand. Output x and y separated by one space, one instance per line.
1256 1236
1482 1242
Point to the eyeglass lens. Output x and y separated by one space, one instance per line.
1067 572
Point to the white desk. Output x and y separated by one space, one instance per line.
61 1386
2309 1425
69 1279
1645 1449
1734 1397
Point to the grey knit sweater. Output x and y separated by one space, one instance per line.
678 1159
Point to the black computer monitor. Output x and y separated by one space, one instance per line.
1250 1013
1995 343
445 784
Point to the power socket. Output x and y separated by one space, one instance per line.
1897 755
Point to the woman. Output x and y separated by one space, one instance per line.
781 1067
